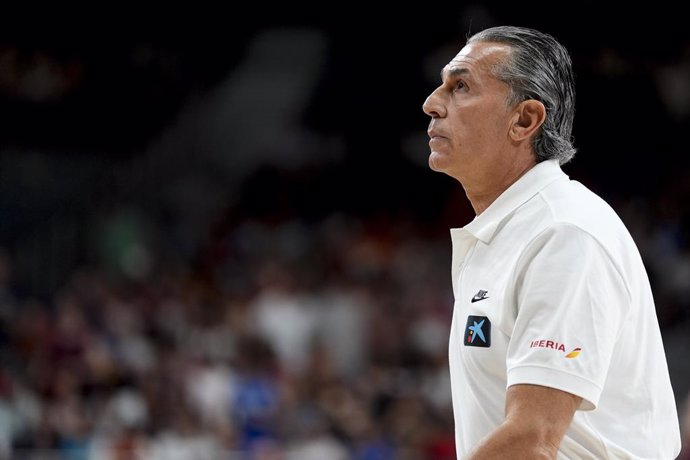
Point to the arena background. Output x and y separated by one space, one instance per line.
219 234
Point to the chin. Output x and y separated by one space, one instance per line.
436 161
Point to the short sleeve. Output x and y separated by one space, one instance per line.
571 303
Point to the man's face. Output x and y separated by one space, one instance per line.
470 115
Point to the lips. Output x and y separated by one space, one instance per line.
435 139
434 134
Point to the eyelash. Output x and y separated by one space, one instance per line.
459 85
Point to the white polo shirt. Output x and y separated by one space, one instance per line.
550 289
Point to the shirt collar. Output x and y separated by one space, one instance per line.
542 174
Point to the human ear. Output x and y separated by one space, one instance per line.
529 116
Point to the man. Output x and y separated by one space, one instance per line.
555 349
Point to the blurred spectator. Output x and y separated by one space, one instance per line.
311 319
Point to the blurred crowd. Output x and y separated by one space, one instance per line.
287 341
162 299
284 339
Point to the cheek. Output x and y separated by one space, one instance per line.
468 131
485 128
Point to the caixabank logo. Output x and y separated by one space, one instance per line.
554 345
477 332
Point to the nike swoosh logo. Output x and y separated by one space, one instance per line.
481 295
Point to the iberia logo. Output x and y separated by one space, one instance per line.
574 354
552 344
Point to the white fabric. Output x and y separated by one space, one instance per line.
561 273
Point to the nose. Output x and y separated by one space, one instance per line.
433 105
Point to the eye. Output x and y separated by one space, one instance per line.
460 85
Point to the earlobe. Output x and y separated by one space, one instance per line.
529 116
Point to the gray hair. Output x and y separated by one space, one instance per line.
539 68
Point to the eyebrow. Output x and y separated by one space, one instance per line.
454 72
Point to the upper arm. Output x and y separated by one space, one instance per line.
571 303
537 418
543 413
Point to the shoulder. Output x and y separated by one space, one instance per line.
572 202
570 207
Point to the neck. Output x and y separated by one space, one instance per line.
481 197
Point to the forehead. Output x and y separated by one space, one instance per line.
477 59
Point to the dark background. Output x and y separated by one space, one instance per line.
152 150
88 96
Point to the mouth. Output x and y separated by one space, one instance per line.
435 135
435 138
